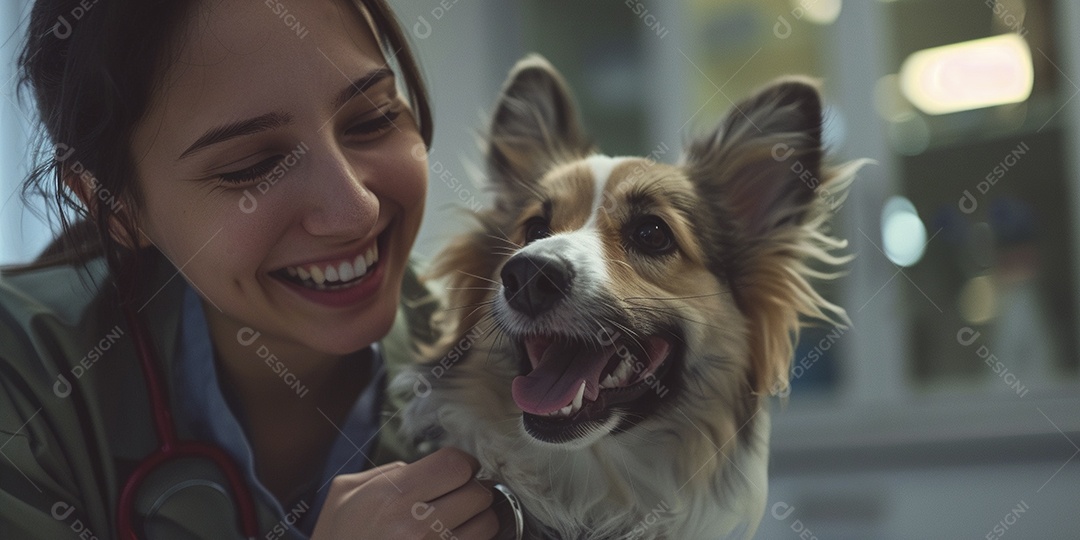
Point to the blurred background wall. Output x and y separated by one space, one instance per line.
951 407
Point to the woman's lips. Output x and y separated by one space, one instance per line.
350 264
318 284
343 296
342 271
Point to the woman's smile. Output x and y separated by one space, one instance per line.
338 280
339 272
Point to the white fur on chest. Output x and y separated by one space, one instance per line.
630 485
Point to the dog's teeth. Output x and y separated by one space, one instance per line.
576 405
623 373
609 382
565 411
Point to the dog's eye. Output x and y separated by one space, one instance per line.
535 229
652 236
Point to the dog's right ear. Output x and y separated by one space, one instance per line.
762 171
535 125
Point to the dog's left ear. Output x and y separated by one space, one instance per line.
761 175
535 125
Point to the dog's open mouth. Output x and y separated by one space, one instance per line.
568 382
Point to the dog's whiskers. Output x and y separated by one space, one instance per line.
503 239
670 313
466 306
478 307
667 298
630 333
479 277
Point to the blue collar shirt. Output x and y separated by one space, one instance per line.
201 406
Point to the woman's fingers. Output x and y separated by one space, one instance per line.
425 499
435 475
462 504
483 526
364 476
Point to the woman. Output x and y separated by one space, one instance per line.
251 182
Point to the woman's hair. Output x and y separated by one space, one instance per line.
93 72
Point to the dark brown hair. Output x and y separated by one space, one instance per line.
92 73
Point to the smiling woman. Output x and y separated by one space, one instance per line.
280 173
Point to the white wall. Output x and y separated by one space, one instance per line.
453 42
22 234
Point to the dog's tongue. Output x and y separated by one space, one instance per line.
557 376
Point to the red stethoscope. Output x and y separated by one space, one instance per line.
170 448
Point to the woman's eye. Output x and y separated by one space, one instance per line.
535 229
369 128
652 236
376 125
251 173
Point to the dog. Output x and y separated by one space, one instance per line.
616 324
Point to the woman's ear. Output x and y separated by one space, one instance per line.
535 124
96 198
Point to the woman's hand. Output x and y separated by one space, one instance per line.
437 497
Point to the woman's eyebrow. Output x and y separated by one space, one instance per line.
359 85
237 129
274 120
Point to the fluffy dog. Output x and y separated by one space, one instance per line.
617 323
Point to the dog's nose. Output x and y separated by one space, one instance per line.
533 284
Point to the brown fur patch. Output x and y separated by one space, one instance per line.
570 188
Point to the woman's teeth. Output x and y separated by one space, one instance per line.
333 276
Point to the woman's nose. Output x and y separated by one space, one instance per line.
339 201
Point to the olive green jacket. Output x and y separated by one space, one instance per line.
75 418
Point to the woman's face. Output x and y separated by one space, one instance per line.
279 149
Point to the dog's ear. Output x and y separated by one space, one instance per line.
535 125
761 173
765 157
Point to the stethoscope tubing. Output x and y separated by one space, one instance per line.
171 448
